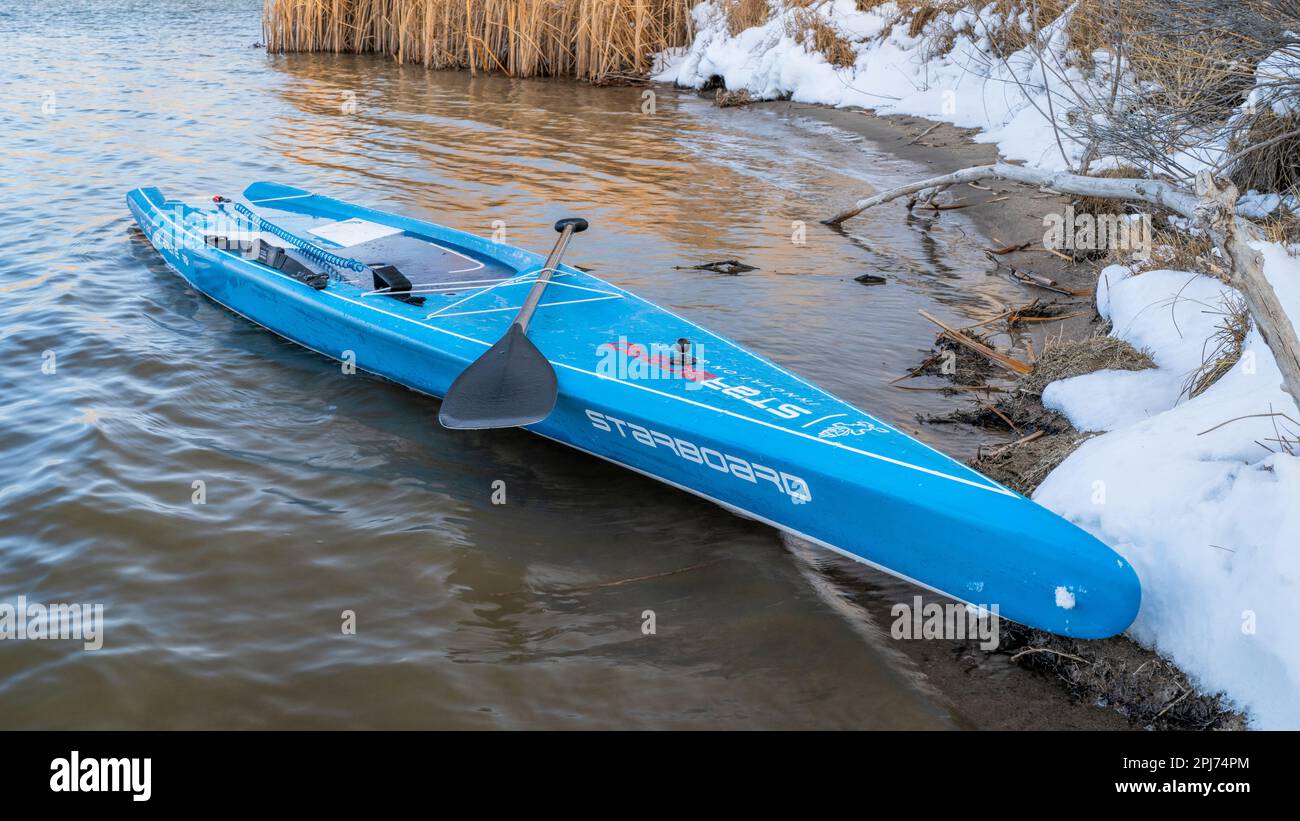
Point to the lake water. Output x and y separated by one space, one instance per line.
329 494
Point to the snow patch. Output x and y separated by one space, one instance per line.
1204 512
1006 100
1064 598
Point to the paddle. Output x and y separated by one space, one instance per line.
511 384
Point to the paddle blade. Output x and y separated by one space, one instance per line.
510 385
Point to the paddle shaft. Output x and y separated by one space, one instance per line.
543 277
512 383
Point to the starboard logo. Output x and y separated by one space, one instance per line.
792 486
77 774
840 429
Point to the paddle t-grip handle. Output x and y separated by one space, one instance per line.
579 224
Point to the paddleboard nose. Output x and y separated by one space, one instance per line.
1000 551
1079 586
1099 609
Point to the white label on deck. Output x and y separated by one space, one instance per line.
792 486
353 231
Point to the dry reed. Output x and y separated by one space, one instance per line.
745 14
806 26
588 39
1223 349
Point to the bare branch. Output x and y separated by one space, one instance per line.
1155 192
1212 209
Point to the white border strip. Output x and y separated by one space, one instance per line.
516 307
286 197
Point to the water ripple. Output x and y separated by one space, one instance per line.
323 493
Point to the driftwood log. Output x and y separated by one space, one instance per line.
1211 207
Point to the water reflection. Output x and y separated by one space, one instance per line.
327 492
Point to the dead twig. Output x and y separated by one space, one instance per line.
1003 417
992 319
1009 249
998 451
946 388
1030 650
1019 319
953 334
1185 694
950 206
1038 280
923 134
1248 416
918 370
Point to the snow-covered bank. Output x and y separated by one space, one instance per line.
897 73
1207 514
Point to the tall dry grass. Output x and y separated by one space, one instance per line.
812 30
1009 25
588 39
744 14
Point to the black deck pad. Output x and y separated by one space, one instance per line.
424 262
